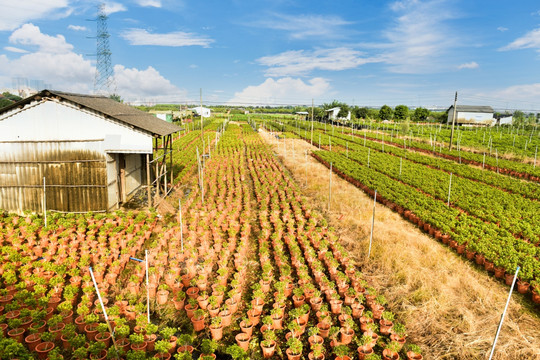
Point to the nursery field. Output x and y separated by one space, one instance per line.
485 216
248 269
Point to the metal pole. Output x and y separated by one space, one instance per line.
453 123
147 287
503 314
44 202
103 309
330 188
449 189
372 223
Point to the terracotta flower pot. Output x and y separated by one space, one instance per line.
185 348
268 352
522 287
162 296
346 335
292 356
324 329
16 334
390 355
198 323
216 332
242 339
364 351
414 356
43 349
32 341
246 329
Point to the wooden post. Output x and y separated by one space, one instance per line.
483 161
306 169
372 223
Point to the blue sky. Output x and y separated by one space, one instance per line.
413 52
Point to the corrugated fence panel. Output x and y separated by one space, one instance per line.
76 177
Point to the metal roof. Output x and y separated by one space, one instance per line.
106 106
473 108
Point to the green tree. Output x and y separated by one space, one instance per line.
5 102
361 112
420 114
118 98
518 118
386 112
11 96
401 112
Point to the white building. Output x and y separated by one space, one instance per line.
205 111
92 151
472 115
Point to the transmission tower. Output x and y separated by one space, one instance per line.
104 80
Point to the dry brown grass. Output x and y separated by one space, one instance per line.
450 308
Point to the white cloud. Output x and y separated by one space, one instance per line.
178 38
17 13
15 50
280 91
420 39
523 96
77 28
502 29
55 62
137 85
149 3
193 66
469 65
304 25
30 35
113 7
300 62
530 40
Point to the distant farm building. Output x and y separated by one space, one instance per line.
302 115
333 113
472 115
202 111
93 152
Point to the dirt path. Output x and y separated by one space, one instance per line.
450 308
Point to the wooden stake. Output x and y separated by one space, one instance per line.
44 202
181 227
147 286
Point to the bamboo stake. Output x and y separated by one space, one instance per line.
44 202
104 310
368 155
372 223
503 314
330 188
147 286
181 227
400 163
449 189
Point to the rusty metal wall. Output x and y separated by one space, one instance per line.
76 178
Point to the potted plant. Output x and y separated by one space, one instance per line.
80 353
97 350
168 334
208 347
183 356
342 352
198 320
162 347
185 342
47 345
268 345
390 352
103 334
294 349
150 336
236 352
216 328
386 322
137 342
414 352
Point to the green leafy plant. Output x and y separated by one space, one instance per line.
208 346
